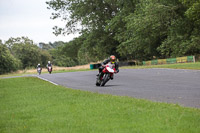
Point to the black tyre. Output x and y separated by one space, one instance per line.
105 79
39 72
97 84
98 81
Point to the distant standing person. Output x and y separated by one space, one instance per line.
39 69
49 67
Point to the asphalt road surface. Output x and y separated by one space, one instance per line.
163 85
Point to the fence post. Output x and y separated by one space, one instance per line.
194 59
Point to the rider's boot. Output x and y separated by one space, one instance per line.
101 74
100 70
111 77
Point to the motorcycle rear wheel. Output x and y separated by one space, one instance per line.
98 81
97 84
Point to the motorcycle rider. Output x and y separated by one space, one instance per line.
38 66
49 65
112 60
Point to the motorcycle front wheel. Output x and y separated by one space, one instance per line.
39 72
105 79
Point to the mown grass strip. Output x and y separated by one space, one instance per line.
194 66
33 105
35 73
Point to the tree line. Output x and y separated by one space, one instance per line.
130 29
21 53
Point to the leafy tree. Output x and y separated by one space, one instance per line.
117 25
183 34
99 45
146 28
93 16
193 10
131 29
25 50
66 54
45 57
182 40
90 14
8 62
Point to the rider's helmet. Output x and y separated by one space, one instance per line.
112 59
39 64
49 62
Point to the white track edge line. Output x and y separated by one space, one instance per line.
47 80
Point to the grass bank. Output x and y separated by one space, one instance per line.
194 66
56 69
33 105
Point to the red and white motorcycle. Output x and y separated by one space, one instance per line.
49 69
106 74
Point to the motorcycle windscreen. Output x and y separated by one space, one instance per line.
110 70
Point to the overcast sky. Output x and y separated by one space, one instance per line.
29 18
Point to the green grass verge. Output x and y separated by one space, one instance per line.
29 73
194 66
33 105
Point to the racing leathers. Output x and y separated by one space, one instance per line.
49 64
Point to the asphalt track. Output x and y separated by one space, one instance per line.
162 85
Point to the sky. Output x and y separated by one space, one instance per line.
29 18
